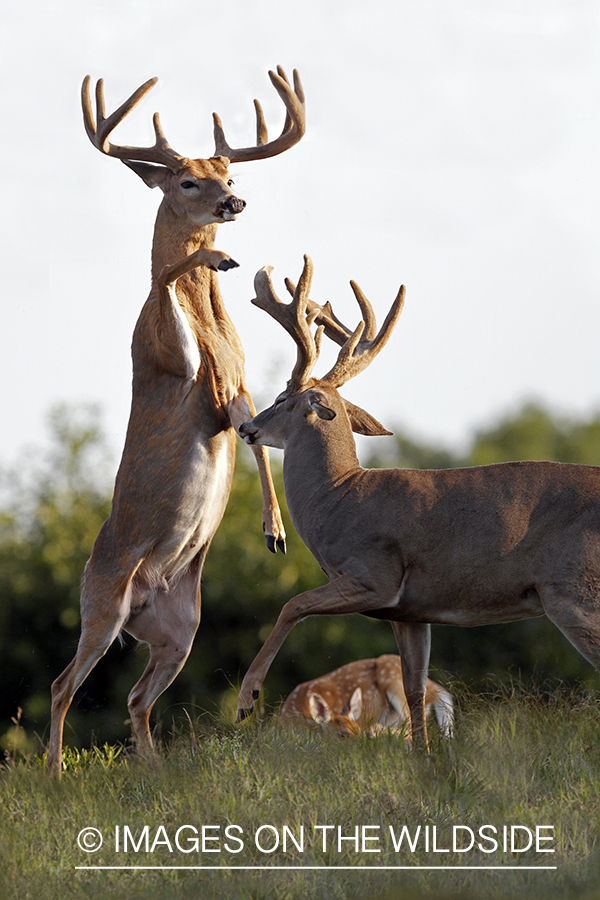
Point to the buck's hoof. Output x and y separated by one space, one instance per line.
273 544
228 264
243 714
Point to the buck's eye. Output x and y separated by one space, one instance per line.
188 185
230 182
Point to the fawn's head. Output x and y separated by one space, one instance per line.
344 723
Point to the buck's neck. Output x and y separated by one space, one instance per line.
175 238
320 465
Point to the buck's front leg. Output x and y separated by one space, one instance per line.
241 409
204 256
414 647
175 346
343 595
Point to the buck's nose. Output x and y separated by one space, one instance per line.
247 432
233 205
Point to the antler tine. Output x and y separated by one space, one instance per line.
262 135
293 317
299 91
293 127
99 131
358 351
325 318
367 312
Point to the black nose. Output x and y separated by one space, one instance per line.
234 205
245 431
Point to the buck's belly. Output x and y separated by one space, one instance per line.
463 605
167 509
195 512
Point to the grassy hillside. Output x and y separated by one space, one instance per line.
517 760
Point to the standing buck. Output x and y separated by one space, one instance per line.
456 547
364 696
189 395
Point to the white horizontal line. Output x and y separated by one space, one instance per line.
319 868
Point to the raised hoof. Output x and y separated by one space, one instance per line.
281 545
228 264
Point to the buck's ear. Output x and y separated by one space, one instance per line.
317 406
319 709
362 422
153 176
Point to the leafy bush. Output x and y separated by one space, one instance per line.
53 509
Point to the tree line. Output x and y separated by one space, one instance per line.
52 507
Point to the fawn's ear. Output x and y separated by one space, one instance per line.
153 176
355 708
363 422
318 708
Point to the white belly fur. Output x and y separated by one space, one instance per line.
202 506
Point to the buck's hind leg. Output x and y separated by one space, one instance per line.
414 646
576 613
168 625
104 609
241 409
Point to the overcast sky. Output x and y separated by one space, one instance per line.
454 147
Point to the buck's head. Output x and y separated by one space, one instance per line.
317 407
199 190
310 404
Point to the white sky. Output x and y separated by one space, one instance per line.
450 146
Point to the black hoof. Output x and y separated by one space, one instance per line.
273 545
228 264
243 714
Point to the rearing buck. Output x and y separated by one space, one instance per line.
189 398
456 547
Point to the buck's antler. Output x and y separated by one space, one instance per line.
335 329
362 346
99 131
359 347
293 317
293 127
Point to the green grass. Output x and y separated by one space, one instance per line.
517 759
